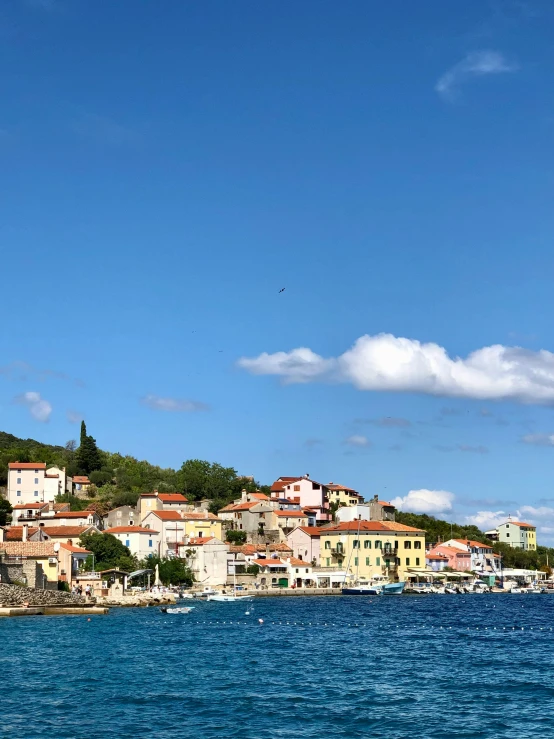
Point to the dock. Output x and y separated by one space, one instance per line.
7 611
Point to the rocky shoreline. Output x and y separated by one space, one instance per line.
17 595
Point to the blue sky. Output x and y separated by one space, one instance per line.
166 171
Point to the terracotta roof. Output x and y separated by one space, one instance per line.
522 525
27 466
371 526
172 498
451 551
290 514
199 517
51 476
436 556
240 506
384 502
299 562
472 543
15 533
29 505
166 515
334 486
61 506
198 541
28 548
81 479
75 550
281 482
311 530
259 496
130 530
69 531
265 562
254 548
74 514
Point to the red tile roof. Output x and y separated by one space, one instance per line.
522 525
334 486
290 514
281 482
384 502
199 517
27 466
266 562
15 533
371 526
81 479
167 515
436 556
312 530
298 562
61 506
240 506
69 531
74 514
472 543
29 506
130 530
51 477
172 498
198 541
28 548
75 550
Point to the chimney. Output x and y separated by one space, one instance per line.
24 532
267 550
376 498
244 496
70 542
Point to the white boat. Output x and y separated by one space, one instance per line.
177 610
207 592
224 597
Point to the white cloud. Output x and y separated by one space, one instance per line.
358 440
173 405
425 501
394 364
532 513
74 416
475 64
39 408
486 520
539 439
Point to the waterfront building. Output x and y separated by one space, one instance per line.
483 558
207 558
304 542
518 535
140 541
458 559
40 564
307 492
436 562
370 548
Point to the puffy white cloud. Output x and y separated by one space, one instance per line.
425 501
486 520
173 405
531 513
539 439
474 64
39 408
391 364
358 440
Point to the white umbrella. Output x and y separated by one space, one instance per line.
157 581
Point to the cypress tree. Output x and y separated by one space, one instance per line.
88 456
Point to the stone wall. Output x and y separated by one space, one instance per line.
14 595
271 536
27 571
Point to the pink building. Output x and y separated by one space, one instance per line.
458 559
307 492
304 542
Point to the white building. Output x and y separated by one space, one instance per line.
171 527
305 491
31 482
346 514
140 541
207 558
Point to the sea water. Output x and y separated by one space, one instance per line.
400 666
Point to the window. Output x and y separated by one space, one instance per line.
328 560
417 561
378 560
149 542
36 480
130 523
355 561
367 544
200 534
327 545
127 543
356 543
18 472
367 561
297 571
36 472
507 534
417 545
407 544
19 481
296 488
407 561
36 493
340 547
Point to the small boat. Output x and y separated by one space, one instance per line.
183 609
207 592
394 588
229 598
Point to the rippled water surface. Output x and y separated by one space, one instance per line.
444 666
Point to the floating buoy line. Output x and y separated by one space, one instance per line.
260 622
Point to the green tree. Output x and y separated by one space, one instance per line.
108 552
75 504
88 456
253 569
236 537
173 571
5 511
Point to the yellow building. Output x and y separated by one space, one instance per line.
202 524
370 548
343 495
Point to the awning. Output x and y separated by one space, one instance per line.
137 573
